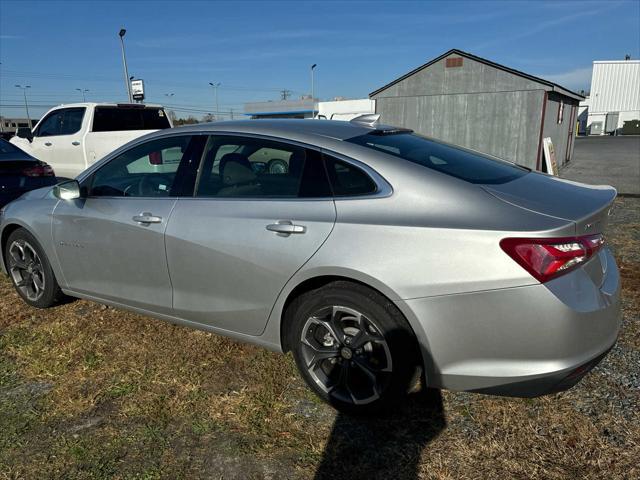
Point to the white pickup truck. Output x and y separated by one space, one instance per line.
72 137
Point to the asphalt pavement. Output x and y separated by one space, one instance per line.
606 160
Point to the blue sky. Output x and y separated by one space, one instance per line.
257 48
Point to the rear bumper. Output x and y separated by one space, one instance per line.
525 341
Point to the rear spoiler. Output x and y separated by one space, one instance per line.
372 120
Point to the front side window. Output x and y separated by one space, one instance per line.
147 170
71 121
251 167
65 121
51 125
460 163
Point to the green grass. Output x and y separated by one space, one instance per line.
92 393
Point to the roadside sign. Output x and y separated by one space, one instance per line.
137 89
549 156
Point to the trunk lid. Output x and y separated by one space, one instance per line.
586 205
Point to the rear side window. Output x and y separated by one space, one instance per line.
457 162
114 119
348 180
237 166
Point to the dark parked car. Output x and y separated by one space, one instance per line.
20 173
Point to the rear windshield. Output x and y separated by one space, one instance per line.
457 162
113 119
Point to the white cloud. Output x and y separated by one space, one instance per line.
577 79
538 27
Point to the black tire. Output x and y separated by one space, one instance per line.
356 391
36 266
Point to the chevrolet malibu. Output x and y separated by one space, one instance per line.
374 254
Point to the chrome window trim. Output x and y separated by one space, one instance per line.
384 188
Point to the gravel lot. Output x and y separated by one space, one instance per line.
606 160
93 392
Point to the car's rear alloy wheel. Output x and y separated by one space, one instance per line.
346 355
30 270
353 347
26 270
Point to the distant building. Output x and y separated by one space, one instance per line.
302 108
8 126
343 109
583 115
473 102
614 102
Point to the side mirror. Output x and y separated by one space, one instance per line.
69 190
25 132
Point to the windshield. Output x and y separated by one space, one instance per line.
460 163
112 119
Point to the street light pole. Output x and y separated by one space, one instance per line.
121 34
26 105
83 91
313 100
215 90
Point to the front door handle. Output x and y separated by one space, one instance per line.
76 143
286 228
146 218
48 144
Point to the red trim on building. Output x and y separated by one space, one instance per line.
544 109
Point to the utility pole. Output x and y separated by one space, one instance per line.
121 34
26 105
215 91
284 94
83 91
231 109
313 100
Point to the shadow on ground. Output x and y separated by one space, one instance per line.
388 447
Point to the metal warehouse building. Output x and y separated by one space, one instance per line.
614 103
479 104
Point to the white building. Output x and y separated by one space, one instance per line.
345 109
615 97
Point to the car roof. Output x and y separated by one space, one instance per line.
106 104
287 128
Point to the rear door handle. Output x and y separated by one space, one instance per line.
286 228
48 144
146 218
75 143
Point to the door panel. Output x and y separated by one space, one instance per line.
111 244
59 139
104 252
227 268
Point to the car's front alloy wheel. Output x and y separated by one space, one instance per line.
30 270
26 270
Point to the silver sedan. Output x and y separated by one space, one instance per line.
375 255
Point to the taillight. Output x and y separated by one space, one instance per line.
42 170
547 258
